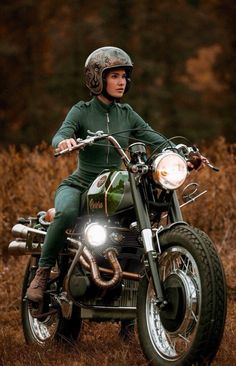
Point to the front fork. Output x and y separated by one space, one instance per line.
175 212
146 233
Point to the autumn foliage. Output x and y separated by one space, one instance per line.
183 52
28 179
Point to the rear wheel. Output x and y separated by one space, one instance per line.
52 326
189 330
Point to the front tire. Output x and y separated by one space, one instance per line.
51 327
189 330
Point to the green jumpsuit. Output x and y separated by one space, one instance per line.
92 115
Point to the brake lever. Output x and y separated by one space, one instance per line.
97 133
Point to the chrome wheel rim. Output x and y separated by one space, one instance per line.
45 329
172 332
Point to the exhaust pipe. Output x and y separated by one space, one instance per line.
32 244
112 258
126 275
88 261
23 231
18 248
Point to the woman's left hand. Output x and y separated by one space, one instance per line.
196 161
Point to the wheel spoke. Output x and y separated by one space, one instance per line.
194 316
186 264
184 338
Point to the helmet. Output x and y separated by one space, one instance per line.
105 58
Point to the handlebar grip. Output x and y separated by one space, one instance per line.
57 153
213 167
62 152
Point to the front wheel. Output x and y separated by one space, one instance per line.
50 327
189 329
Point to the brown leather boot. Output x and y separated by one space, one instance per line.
38 285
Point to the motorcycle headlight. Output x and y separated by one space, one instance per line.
169 170
95 234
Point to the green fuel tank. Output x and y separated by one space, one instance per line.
109 193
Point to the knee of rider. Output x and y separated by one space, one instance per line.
68 216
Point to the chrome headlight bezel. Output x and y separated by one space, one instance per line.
169 170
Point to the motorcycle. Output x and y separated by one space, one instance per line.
131 257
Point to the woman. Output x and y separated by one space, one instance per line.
107 75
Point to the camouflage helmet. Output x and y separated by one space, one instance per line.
105 58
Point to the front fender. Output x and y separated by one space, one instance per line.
163 229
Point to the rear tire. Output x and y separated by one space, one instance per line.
189 330
52 327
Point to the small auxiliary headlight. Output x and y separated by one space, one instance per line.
169 170
95 234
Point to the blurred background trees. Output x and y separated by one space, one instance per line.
184 78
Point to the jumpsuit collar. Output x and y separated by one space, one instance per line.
102 106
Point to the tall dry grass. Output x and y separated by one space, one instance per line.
27 182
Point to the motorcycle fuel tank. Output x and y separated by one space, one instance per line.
109 193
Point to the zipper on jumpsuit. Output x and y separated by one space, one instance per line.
108 131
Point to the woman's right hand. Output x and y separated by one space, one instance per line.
66 144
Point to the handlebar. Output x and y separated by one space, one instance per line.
100 135
96 136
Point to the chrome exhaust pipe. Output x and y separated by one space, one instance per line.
18 248
23 231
